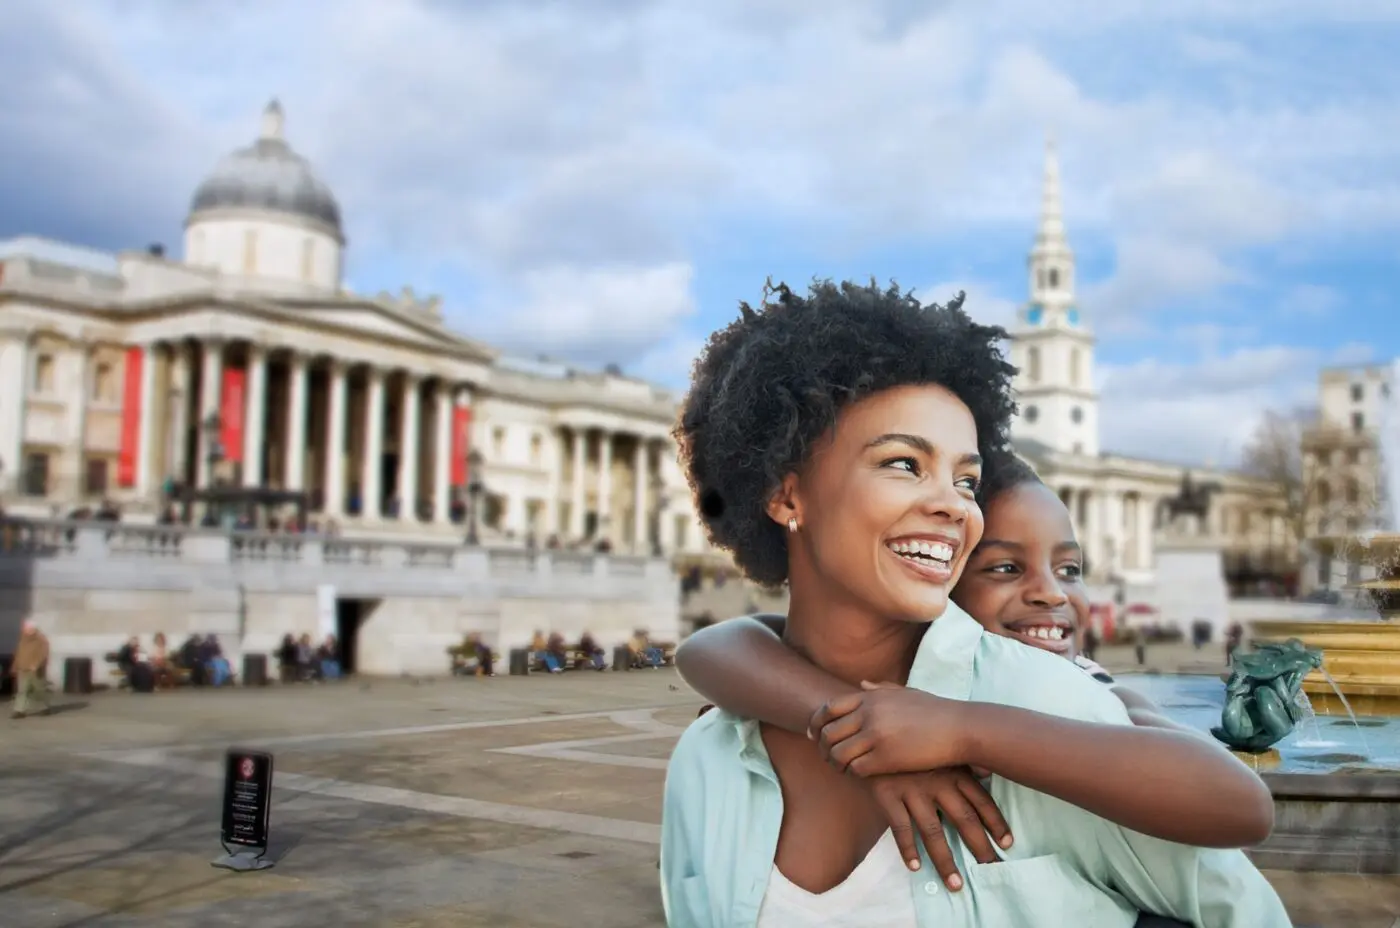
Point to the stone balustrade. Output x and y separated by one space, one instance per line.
91 584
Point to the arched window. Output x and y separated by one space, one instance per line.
1075 367
1054 277
308 257
1033 364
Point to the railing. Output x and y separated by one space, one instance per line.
58 540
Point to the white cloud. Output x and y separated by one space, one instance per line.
598 314
1207 410
569 161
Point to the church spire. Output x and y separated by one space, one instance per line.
1051 260
1052 219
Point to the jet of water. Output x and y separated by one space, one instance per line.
1366 748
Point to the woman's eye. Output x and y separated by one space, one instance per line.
971 484
905 464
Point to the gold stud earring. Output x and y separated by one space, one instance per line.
792 525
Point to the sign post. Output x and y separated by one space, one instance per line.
247 811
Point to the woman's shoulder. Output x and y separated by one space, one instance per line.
706 758
1015 674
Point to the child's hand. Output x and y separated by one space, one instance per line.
891 729
914 801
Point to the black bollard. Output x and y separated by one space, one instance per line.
7 682
622 658
519 662
77 676
255 670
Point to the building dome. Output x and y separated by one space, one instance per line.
269 176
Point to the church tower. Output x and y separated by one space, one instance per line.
1052 344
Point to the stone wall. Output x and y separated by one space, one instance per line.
90 585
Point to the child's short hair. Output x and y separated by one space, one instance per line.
1002 470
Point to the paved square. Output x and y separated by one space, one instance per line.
503 802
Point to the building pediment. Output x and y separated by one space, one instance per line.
379 321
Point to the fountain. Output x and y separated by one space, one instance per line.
1264 699
1362 656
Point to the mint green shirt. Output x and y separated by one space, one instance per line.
723 809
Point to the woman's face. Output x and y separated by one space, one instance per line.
885 506
1024 580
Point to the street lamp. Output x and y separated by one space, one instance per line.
658 489
212 427
475 487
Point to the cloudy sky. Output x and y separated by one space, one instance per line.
603 180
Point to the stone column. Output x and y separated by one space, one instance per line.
210 389
1147 507
295 477
14 383
639 497
605 440
146 439
370 483
554 452
181 384
77 419
1115 533
442 456
408 451
580 448
255 417
335 442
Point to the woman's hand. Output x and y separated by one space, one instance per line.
891 729
914 801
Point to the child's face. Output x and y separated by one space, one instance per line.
1024 580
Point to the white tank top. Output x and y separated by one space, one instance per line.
875 895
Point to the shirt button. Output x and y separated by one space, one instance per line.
931 887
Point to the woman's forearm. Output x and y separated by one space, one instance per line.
1168 784
743 666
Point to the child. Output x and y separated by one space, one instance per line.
1024 582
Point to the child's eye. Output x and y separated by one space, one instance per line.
1072 571
1005 569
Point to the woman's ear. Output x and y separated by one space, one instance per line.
785 506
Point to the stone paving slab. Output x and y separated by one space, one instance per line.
505 802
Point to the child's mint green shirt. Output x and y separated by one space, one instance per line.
723 809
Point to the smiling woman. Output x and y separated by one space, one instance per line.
837 442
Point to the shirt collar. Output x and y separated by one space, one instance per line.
944 663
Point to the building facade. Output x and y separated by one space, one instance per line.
1342 470
1117 502
246 362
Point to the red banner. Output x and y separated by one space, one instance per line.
231 405
130 449
461 444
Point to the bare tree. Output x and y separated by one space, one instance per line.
1275 455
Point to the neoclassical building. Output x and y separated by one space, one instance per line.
246 362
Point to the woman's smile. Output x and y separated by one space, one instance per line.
931 557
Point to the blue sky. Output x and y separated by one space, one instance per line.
603 180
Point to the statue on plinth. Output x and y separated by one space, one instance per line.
1187 510
1263 697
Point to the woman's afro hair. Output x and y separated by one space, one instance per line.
769 385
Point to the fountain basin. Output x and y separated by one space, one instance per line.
1336 784
1362 657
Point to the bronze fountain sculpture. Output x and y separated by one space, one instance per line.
1264 695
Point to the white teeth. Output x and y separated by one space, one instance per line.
937 550
1046 633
